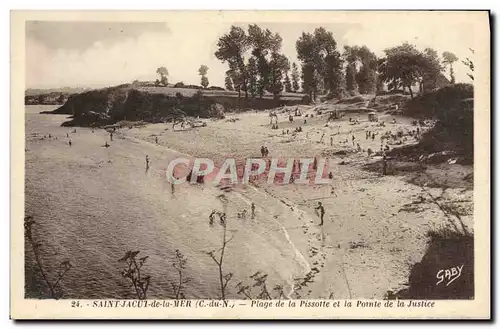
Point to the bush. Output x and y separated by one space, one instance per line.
352 100
435 104
179 85
216 88
306 99
393 92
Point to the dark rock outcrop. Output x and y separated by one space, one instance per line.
110 105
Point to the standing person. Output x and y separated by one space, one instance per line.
156 140
211 218
262 151
253 210
67 135
69 142
111 136
353 138
266 151
315 163
321 212
384 165
147 161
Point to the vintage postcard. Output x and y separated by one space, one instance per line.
250 165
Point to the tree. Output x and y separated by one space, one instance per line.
263 43
402 67
278 66
203 72
295 78
230 48
448 59
329 62
322 62
468 62
288 83
204 82
431 70
367 74
253 74
163 73
228 82
350 77
309 83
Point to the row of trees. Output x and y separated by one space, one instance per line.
256 65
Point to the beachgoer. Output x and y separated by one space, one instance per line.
266 151
253 210
315 163
156 140
211 218
69 142
331 141
67 135
321 211
147 161
384 165
262 151
222 219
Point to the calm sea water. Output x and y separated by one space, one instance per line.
92 204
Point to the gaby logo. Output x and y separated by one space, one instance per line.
275 170
449 275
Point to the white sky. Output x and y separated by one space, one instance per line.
60 54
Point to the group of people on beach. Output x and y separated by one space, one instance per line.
223 217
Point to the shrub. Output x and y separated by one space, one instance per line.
216 88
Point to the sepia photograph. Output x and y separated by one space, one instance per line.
250 157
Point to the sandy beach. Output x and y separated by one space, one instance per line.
374 229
